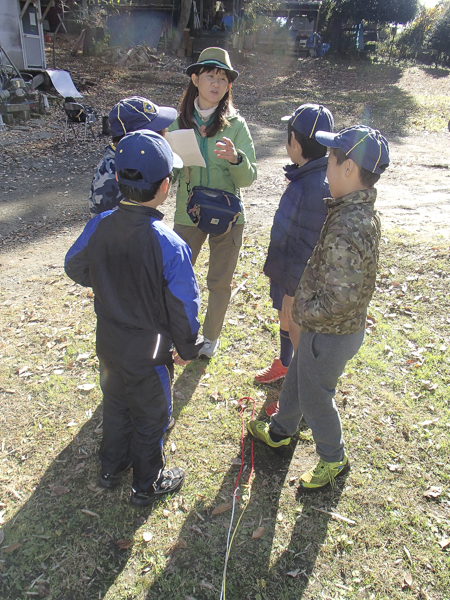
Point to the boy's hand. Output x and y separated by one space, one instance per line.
286 307
178 360
225 149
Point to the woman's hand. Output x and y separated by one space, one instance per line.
225 149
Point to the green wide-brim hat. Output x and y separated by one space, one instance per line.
217 57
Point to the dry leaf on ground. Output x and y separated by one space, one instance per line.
423 594
58 490
221 508
94 487
259 532
12 547
428 385
395 468
89 512
124 544
293 574
407 580
433 492
206 585
86 387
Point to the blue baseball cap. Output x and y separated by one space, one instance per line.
131 114
309 118
366 146
147 152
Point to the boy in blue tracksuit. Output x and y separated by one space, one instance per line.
297 225
146 300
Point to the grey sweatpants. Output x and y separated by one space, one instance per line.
309 389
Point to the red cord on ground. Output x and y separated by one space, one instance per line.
241 414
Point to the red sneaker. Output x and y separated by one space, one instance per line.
273 373
272 409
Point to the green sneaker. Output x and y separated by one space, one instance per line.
324 473
261 431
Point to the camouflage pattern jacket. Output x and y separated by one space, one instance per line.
105 193
339 279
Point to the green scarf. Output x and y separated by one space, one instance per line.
203 143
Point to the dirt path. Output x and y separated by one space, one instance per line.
44 201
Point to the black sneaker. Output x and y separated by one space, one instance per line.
171 481
111 481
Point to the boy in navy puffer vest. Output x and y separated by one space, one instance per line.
296 226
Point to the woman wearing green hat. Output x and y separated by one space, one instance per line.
227 148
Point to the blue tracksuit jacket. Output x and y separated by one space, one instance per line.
146 293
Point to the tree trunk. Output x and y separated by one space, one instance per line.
391 45
88 45
184 18
335 28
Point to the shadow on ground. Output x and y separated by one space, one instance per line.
70 539
435 72
195 566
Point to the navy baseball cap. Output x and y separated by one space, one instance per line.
309 118
366 146
131 114
147 152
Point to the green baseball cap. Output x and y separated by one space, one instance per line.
217 57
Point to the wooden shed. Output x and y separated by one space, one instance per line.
22 33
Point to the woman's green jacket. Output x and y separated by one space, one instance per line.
219 173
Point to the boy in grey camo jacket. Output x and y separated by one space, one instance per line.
128 115
331 302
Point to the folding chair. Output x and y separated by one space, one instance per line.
77 114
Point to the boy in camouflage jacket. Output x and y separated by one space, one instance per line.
331 302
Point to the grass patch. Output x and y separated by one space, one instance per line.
64 538
394 97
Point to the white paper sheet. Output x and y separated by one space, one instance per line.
63 84
184 143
